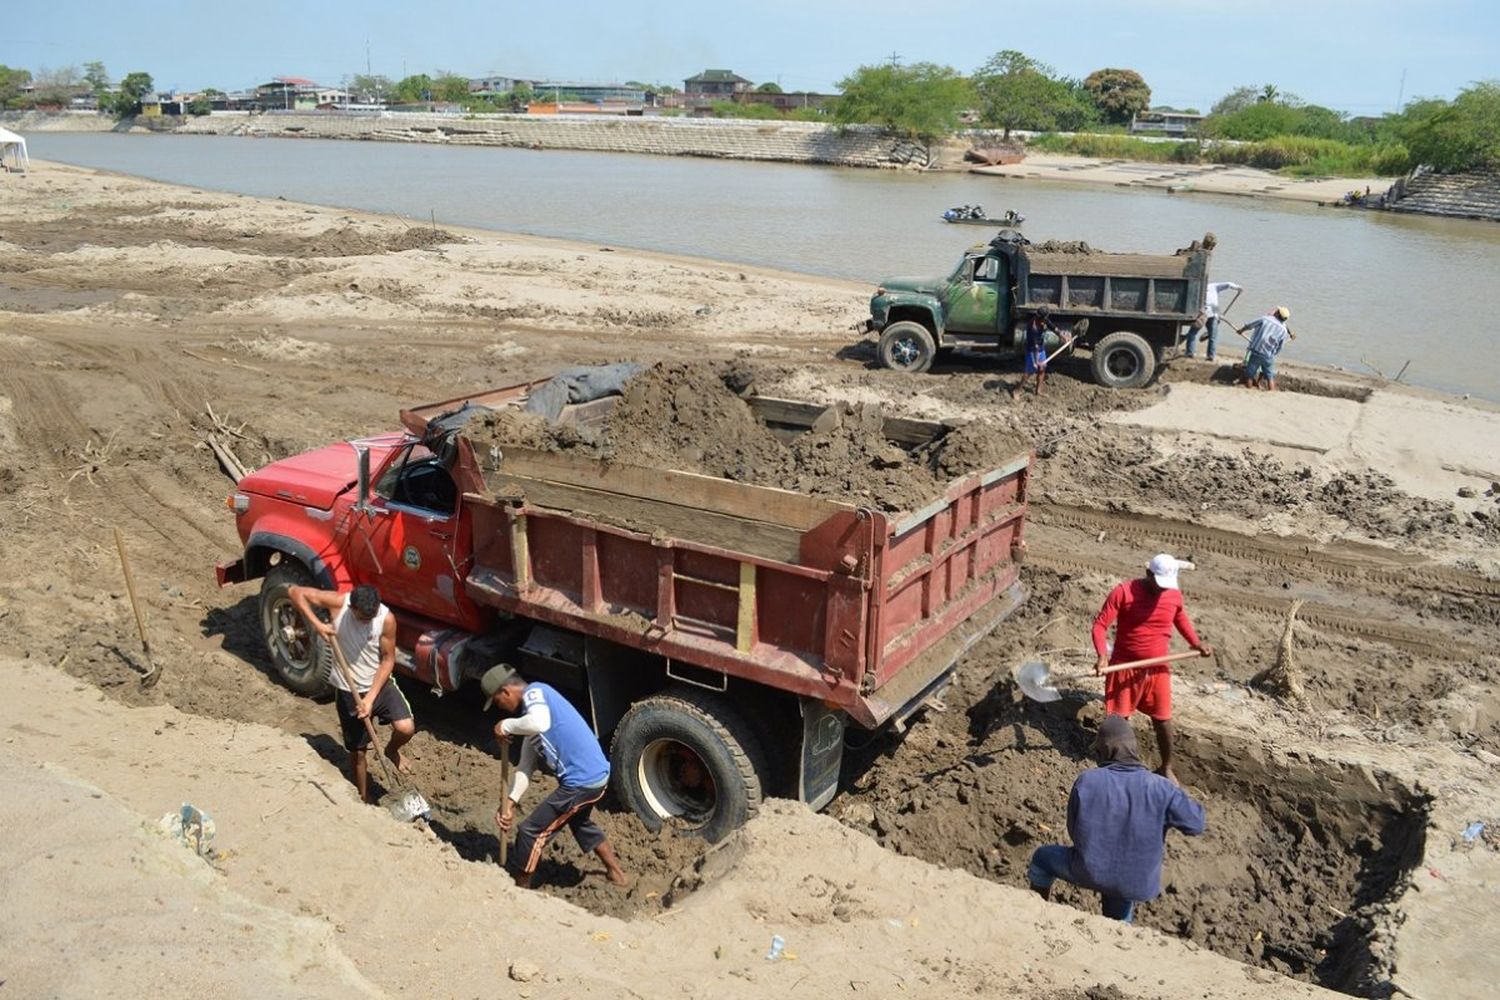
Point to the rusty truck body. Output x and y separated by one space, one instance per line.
719 636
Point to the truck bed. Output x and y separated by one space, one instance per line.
864 609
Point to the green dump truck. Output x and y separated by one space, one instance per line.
1127 311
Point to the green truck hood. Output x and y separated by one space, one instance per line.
923 284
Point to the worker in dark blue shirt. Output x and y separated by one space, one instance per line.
1118 816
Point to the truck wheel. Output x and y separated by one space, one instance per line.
301 656
907 347
1123 360
686 755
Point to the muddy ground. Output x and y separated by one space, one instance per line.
135 326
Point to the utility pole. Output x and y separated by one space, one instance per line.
895 59
1401 91
367 58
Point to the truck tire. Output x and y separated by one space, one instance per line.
1123 360
686 755
907 347
299 654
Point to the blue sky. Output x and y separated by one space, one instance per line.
1346 54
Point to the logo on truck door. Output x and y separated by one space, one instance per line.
411 557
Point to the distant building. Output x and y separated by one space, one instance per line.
497 84
294 93
1165 121
787 101
589 93
715 85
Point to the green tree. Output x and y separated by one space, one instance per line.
11 82
1464 135
96 76
200 106
1118 93
769 88
921 101
450 87
1017 92
521 95
413 88
1268 94
126 102
369 87
1237 99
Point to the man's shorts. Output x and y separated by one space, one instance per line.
1258 364
1147 690
1036 361
390 706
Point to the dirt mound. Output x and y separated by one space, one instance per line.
1248 485
696 418
354 241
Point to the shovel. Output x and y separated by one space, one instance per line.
410 805
1035 680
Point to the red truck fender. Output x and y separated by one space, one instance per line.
262 546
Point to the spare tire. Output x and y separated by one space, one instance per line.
907 347
1123 360
687 756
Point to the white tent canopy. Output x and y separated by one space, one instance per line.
14 147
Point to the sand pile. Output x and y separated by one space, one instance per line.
696 418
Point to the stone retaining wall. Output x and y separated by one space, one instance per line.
788 142
1472 195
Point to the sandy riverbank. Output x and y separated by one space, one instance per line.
1185 178
1334 854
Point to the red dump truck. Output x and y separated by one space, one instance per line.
719 636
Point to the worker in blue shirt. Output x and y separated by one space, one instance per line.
1118 818
1036 344
555 737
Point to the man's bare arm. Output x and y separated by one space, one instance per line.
307 599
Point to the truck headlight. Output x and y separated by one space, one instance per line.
237 502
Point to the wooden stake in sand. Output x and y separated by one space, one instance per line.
1282 678
153 674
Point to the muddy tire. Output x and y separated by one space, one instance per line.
907 347
686 756
1123 360
299 654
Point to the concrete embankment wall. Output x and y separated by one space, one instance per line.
787 142
1472 195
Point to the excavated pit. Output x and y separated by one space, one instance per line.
1299 870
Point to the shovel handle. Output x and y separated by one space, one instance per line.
348 674
504 790
1150 661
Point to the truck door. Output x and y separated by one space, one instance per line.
413 535
975 296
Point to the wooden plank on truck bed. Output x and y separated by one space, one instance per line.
779 542
684 489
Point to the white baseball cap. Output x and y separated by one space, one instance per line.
1163 568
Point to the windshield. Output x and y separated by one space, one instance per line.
961 272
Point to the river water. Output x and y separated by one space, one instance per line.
1365 288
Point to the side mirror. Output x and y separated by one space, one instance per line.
362 503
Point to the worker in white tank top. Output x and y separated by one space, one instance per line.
364 630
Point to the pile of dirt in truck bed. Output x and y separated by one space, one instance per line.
695 418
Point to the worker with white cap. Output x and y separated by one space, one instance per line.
1144 611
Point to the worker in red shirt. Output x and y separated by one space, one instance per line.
1144 611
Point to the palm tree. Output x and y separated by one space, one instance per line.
1268 94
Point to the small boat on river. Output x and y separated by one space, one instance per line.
973 215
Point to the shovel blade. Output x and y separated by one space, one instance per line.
1034 678
410 806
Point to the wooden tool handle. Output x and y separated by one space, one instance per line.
348 672
505 793
135 606
1150 662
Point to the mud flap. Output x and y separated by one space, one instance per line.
822 753
230 572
